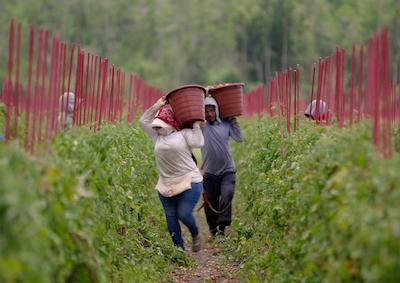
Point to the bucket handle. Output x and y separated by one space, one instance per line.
207 89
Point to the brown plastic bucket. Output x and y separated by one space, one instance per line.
187 102
229 98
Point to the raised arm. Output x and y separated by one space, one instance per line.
194 137
235 132
147 118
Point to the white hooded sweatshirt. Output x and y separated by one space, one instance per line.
173 152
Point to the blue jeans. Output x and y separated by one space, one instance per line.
180 207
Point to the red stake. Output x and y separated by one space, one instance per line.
98 96
298 96
337 83
8 93
360 79
103 93
290 98
70 66
111 104
116 96
312 89
78 88
17 87
43 87
130 107
342 95
93 111
92 79
329 90
56 86
374 91
28 86
352 75
85 95
319 85
36 98
122 97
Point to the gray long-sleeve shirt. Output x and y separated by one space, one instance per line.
216 152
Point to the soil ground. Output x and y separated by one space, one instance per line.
211 265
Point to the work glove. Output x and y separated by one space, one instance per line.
161 101
232 119
198 124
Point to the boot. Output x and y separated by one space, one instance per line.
196 244
221 230
213 231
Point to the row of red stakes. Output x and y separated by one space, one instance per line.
365 93
98 88
100 94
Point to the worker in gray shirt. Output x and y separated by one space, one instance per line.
218 167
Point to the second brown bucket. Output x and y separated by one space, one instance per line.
229 98
187 102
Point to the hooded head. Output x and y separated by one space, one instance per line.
312 109
164 121
211 110
67 101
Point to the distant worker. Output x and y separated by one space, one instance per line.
314 109
66 104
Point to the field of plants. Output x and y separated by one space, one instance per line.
319 205
87 212
317 201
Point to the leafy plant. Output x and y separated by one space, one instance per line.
87 213
326 210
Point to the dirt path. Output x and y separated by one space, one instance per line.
211 265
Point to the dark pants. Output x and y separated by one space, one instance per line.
219 190
180 207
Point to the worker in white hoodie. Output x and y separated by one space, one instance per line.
180 182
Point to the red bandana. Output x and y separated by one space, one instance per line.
166 114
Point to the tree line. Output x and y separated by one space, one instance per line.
171 42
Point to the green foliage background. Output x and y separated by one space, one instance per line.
318 207
171 42
327 210
86 213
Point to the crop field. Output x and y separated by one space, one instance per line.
320 206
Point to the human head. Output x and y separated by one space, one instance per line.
311 110
67 101
164 121
211 110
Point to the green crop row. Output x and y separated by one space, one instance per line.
320 207
86 213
